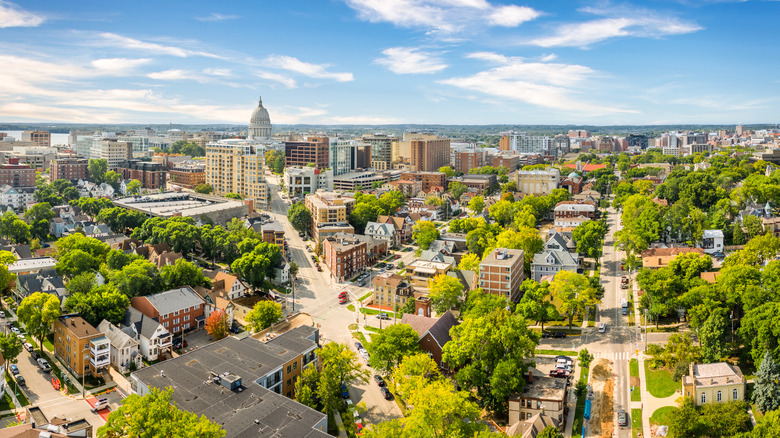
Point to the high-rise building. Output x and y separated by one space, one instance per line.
72 169
467 159
526 144
504 143
41 138
348 155
111 150
404 146
260 123
329 213
578 133
637 140
236 166
381 150
501 273
430 155
314 150
739 130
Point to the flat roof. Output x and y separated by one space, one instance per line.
33 264
168 204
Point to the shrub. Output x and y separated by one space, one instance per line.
680 370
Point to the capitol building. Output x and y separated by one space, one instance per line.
259 123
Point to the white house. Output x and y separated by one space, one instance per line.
124 348
712 241
385 232
555 257
153 339
16 198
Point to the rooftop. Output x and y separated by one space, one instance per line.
544 388
503 257
184 203
34 264
174 299
78 326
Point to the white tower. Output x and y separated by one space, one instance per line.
260 123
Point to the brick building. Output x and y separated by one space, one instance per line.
430 155
345 255
81 347
41 138
463 161
501 273
510 161
329 213
17 175
72 169
477 181
188 175
176 309
300 153
150 175
429 180
570 209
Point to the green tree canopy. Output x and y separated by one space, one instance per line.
445 292
103 302
425 232
263 315
183 273
37 312
390 346
299 217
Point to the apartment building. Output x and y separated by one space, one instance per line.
381 150
465 160
391 289
17 175
501 273
315 150
41 138
345 255
572 209
305 180
510 161
188 175
329 212
71 169
348 155
537 182
150 175
236 166
429 180
176 309
542 394
81 347
111 150
430 155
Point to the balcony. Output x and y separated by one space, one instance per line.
99 346
164 341
100 361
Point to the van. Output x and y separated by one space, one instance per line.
602 327
102 403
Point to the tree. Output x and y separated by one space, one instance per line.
299 217
685 420
425 232
445 292
752 226
10 347
306 387
766 391
37 312
390 346
712 336
447 170
738 235
139 278
235 196
76 262
156 415
550 432
414 373
477 204
457 189
263 315
339 364
469 262
89 245
768 427
589 237
97 170
203 188
488 352
40 211
104 302
133 187
14 228
82 283
216 324
183 273
574 292
584 358
479 240
536 303
503 212
440 411
254 267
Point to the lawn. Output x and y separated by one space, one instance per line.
661 418
6 404
20 396
365 296
351 307
660 383
636 422
370 311
360 337
557 352
373 329
633 369
579 411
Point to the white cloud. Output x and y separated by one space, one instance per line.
549 85
618 22
119 66
549 57
114 40
276 77
441 16
222 72
217 17
410 60
12 16
318 71
170 75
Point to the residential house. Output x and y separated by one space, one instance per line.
391 290
434 333
713 241
772 226
382 231
421 272
531 427
46 280
154 340
79 346
403 226
555 257
125 349
216 299
501 272
88 189
542 394
176 309
714 383
16 197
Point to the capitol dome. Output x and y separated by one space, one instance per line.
259 123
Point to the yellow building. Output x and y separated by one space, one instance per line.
421 272
714 383
236 166
329 213
81 347
391 289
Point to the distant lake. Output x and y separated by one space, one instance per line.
55 138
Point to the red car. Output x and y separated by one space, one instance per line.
343 297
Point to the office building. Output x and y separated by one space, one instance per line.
348 155
259 123
41 138
353 181
39 157
637 141
467 159
188 175
501 273
111 150
381 150
430 155
314 151
537 182
329 213
404 146
305 180
150 175
236 166
72 169
17 175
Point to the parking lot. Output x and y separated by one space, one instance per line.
379 409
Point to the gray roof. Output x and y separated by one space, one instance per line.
443 246
144 325
252 412
376 228
556 239
175 299
709 234
273 226
118 338
439 328
561 258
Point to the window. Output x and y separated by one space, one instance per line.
720 396
735 394
295 365
176 321
288 369
703 397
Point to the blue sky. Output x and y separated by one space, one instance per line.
390 61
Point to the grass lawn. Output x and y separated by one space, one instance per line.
20 396
370 311
351 307
6 404
636 422
557 352
360 337
660 383
661 418
579 411
365 296
756 413
373 329
633 369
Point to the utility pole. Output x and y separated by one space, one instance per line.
647 333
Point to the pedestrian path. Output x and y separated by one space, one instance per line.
622 355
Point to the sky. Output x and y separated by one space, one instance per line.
390 61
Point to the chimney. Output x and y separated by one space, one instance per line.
530 377
690 369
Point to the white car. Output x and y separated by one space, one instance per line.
15 330
602 327
2 314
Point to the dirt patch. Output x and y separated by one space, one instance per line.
634 381
603 384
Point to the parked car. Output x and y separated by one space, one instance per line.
300 234
546 334
381 271
344 390
384 316
15 330
2 314
559 335
14 369
235 329
343 294
34 354
563 359
43 364
365 355
624 286
100 404
319 268
358 345
28 346
177 344
390 266
379 380
602 327
561 374
396 257
622 418
19 380
343 299
386 393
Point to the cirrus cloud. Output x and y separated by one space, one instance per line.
318 71
410 60
12 16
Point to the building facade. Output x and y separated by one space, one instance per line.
81 347
714 383
259 123
188 175
236 166
501 273
463 161
41 138
111 150
430 155
345 256
381 150
429 180
17 175
71 169
175 309
537 182
150 175
315 150
391 289
348 155
542 394
329 213
305 180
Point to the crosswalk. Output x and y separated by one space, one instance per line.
622 355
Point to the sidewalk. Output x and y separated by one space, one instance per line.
649 403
